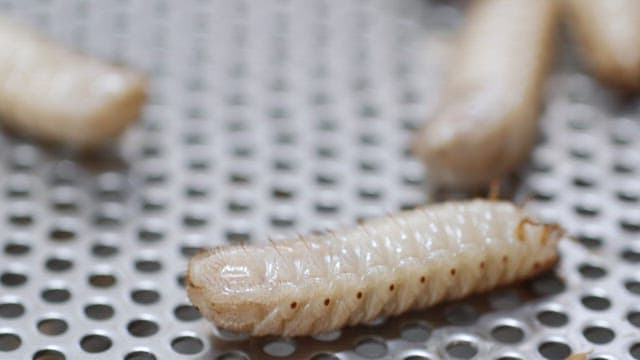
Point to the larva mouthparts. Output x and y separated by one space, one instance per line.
382 267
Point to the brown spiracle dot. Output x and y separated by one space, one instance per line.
453 272
391 287
326 302
359 295
482 265
536 265
294 304
423 279
505 259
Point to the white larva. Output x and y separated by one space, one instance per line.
608 33
486 121
382 267
54 94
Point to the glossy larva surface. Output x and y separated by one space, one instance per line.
382 267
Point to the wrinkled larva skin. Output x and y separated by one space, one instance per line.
382 267
608 33
54 94
486 122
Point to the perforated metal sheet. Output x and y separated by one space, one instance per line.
278 117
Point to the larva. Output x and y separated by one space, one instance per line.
486 121
383 267
608 33
54 94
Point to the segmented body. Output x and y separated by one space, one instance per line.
486 122
55 94
382 267
608 33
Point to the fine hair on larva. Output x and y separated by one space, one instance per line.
382 267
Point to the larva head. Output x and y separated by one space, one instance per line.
545 237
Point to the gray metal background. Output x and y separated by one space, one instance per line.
278 117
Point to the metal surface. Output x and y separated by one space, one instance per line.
279 117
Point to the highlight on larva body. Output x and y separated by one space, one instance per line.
382 267
54 94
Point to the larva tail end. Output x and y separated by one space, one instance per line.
119 110
224 285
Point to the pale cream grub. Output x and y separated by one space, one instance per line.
486 122
54 94
382 267
608 34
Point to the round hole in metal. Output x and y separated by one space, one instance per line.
140 355
554 350
56 264
56 295
415 332
462 349
48 354
16 249
187 345
324 356
372 348
507 334
463 314
142 328
11 310
279 348
99 311
186 313
553 318
95 343
233 355
634 318
11 279
633 286
598 334
148 266
102 280
9 342
592 271
52 326
634 350
595 302
145 296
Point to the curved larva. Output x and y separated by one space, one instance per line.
486 121
382 267
54 94
608 33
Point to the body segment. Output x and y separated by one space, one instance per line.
382 267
